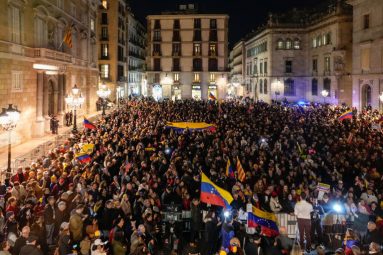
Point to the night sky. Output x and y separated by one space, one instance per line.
245 15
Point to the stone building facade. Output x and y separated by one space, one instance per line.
297 55
237 70
37 70
187 54
367 65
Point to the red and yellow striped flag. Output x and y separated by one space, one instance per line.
241 171
68 37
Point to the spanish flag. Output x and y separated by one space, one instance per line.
88 124
229 169
267 221
68 36
212 194
241 171
345 115
83 157
212 97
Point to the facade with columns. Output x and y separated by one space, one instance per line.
297 55
367 66
37 70
187 54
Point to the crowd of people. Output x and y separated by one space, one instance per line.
117 202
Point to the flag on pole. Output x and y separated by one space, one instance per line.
267 221
68 36
241 171
229 169
88 124
212 97
213 194
345 115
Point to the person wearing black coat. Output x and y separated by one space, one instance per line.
253 245
30 248
21 241
372 235
211 231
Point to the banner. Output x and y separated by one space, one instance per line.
322 188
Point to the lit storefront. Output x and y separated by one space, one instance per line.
196 92
157 92
176 93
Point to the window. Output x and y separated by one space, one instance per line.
120 72
197 49
15 24
156 49
255 66
156 78
157 64
265 87
213 36
104 4
280 44
212 49
176 24
297 44
40 32
315 42
104 18
104 71
328 38
213 64
191 6
182 7
197 35
197 23
289 88
261 68
176 47
261 86
315 65
324 39
314 87
327 64
104 33
176 36
157 35
17 80
120 53
212 77
92 27
319 40
196 77
176 64
157 24
366 21
104 50
265 67
213 23
288 66
176 77
197 64
327 85
289 44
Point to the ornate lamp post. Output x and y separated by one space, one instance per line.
8 121
324 94
75 100
103 92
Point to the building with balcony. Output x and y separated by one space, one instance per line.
297 55
112 54
367 66
187 54
237 70
37 69
136 46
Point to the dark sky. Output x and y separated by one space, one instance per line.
245 15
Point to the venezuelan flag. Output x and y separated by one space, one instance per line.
212 194
83 157
212 97
267 221
229 169
345 115
88 124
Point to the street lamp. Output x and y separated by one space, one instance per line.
103 92
324 94
75 100
8 121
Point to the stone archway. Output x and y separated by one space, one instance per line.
366 95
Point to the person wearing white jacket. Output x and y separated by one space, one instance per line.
275 206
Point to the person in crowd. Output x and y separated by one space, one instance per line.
76 223
5 248
372 235
303 211
253 245
21 241
31 248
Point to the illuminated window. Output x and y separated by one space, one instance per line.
297 44
197 49
314 43
196 77
104 50
176 77
104 4
212 77
327 64
280 44
92 28
289 44
213 49
104 71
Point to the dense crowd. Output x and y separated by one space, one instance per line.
140 171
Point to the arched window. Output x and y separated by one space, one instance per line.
289 87
280 44
265 86
289 44
314 87
297 44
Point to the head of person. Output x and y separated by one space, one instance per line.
5 246
321 250
371 226
303 196
374 248
25 232
80 208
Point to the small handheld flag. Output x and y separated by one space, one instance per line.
212 194
83 157
267 221
88 124
212 97
345 115
241 171
229 169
